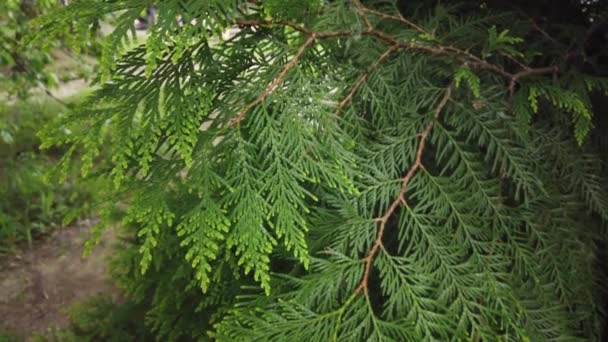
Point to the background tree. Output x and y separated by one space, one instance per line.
349 171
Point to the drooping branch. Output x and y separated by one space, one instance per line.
400 199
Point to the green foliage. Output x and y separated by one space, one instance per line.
334 181
291 8
100 319
573 103
503 42
472 81
158 294
20 66
7 336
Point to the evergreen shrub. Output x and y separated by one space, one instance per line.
346 170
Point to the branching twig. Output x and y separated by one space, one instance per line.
530 72
514 60
361 80
60 101
395 44
400 200
439 50
363 14
278 80
300 28
474 61
462 56
399 18
544 33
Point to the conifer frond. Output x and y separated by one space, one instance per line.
152 214
203 230
503 150
338 171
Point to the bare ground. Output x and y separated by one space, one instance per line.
39 284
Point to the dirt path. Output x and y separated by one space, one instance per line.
38 285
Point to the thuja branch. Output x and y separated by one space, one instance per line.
462 56
276 82
440 50
400 199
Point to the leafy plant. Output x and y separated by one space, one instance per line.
324 175
7 336
100 319
25 67
31 203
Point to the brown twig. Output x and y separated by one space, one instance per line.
299 28
474 61
400 18
514 60
278 80
449 51
530 72
363 14
60 101
462 56
400 200
361 80
543 32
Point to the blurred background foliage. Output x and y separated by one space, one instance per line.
100 319
32 203
25 67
